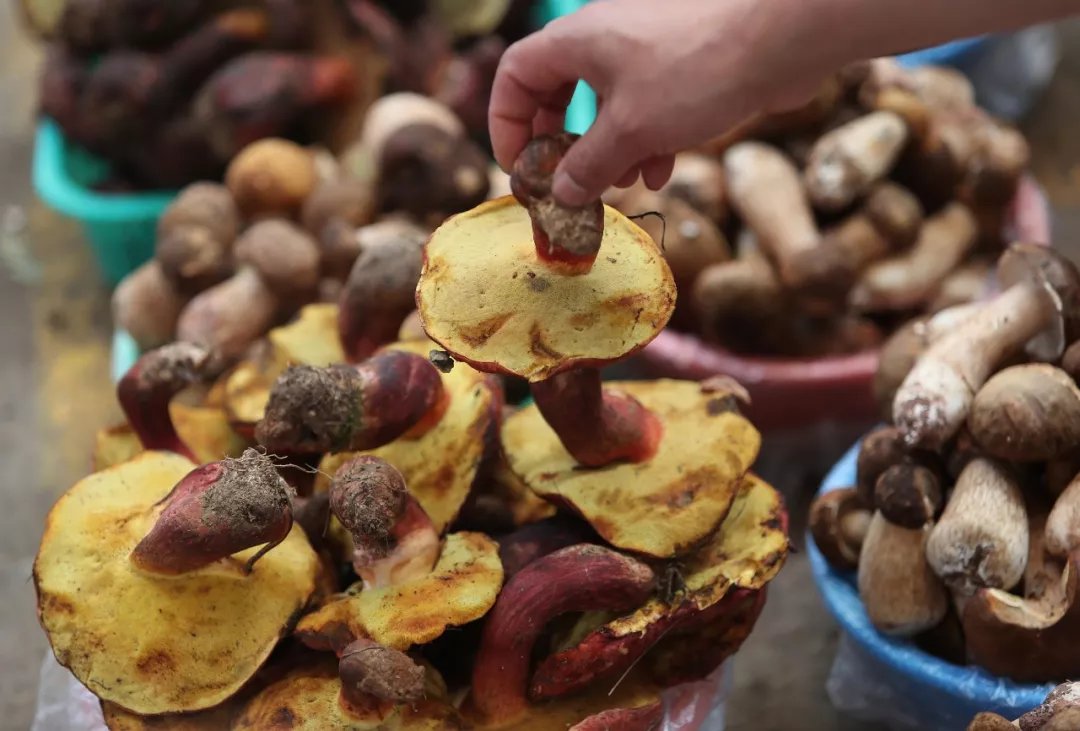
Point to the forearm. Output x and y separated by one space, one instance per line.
888 27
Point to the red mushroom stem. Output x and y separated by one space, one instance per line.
596 426
533 541
394 540
146 389
346 407
578 578
644 718
370 670
566 239
215 511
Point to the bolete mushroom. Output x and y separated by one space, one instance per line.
413 585
846 161
838 523
163 535
1037 310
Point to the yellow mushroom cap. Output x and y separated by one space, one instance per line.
158 644
485 298
665 506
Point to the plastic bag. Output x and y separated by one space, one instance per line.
63 703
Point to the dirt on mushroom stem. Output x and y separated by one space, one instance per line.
369 497
368 669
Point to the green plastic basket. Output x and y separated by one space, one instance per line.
120 227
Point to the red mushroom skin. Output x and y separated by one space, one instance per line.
535 540
146 389
574 579
567 239
597 426
645 718
215 511
343 408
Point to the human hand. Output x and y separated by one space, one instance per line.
668 76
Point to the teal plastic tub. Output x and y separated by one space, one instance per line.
119 226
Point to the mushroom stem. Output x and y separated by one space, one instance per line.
344 407
643 718
575 579
148 386
394 540
936 397
370 670
215 511
567 239
597 426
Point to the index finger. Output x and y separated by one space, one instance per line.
534 76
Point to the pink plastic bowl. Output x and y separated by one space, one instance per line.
789 393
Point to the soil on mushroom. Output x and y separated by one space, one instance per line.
320 400
247 484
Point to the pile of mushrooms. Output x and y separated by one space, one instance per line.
382 542
821 230
964 523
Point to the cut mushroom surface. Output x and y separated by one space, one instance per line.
661 507
485 297
461 588
190 651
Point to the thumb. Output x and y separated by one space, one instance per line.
591 165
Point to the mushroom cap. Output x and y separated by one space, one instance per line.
439 465
485 298
200 420
213 719
743 555
115 444
309 699
310 339
662 507
461 588
1058 276
158 644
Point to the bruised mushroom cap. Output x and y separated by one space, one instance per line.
440 465
310 699
484 296
1058 276
200 635
745 554
662 507
461 588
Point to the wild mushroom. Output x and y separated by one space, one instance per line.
343 407
1037 310
195 236
982 537
1063 523
1059 705
146 304
990 722
202 423
144 393
715 593
846 161
880 449
440 464
159 532
414 585
900 592
550 311
271 177
838 523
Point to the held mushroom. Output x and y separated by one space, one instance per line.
188 653
1027 413
982 537
1037 310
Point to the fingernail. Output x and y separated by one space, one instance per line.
566 190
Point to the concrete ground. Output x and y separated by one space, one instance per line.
54 392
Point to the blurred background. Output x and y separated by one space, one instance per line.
55 360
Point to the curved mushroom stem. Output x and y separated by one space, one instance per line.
370 670
575 579
566 239
215 511
596 426
344 407
643 718
394 539
148 386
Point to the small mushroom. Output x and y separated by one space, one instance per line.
286 257
368 669
1036 310
846 161
839 522
271 177
982 537
908 495
1027 413
880 449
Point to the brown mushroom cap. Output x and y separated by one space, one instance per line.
461 588
150 643
485 298
662 507
1044 267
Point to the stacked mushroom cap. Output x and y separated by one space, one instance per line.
964 520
